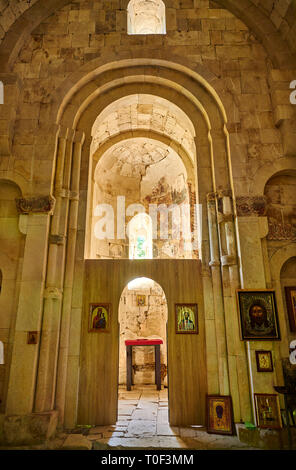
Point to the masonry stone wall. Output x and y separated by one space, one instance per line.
211 37
260 126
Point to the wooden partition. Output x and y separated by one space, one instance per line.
98 392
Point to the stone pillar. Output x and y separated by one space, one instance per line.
237 357
47 368
69 278
73 353
22 380
215 267
252 227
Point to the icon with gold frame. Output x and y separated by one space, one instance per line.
264 361
268 413
186 318
99 317
141 300
290 292
219 415
258 314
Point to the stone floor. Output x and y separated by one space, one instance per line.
143 424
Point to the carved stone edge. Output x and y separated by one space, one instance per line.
247 206
36 205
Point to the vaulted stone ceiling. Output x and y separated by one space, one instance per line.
134 167
146 112
131 158
273 22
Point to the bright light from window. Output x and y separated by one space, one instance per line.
140 283
140 237
146 17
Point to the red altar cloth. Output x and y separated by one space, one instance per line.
143 342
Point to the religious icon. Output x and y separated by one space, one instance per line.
291 306
219 415
267 411
99 317
32 337
141 300
264 361
258 315
186 318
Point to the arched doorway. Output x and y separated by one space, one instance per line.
143 315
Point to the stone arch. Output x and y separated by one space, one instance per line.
280 194
74 113
268 171
277 262
187 89
213 117
16 179
279 258
91 76
192 92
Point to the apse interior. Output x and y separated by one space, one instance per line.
143 160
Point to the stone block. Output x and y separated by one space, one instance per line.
29 429
77 442
267 439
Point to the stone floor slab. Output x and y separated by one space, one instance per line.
140 428
77 442
146 414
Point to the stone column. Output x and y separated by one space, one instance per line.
252 228
237 356
47 368
24 361
74 344
215 266
69 277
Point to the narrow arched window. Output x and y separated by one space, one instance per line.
146 17
140 237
